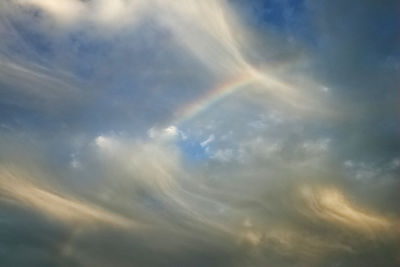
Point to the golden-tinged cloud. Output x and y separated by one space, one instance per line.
331 206
292 242
17 187
329 223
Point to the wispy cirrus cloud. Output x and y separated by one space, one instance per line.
198 133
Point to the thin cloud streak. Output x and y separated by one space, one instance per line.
55 205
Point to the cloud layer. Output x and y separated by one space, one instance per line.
198 133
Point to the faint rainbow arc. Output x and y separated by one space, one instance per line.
213 96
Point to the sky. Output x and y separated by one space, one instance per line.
199 133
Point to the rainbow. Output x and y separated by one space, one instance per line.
215 95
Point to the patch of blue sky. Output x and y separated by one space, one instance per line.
88 52
192 150
291 17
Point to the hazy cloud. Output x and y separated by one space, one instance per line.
198 133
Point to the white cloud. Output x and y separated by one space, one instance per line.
75 163
206 142
223 155
30 82
317 146
102 141
171 131
101 13
260 147
65 11
166 134
258 125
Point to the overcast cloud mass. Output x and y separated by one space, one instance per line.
199 133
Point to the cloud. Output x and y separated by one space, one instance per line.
224 155
318 146
330 205
65 11
207 133
223 56
22 188
29 82
207 141
70 13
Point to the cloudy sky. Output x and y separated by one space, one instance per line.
199 133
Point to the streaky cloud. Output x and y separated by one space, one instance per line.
16 185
